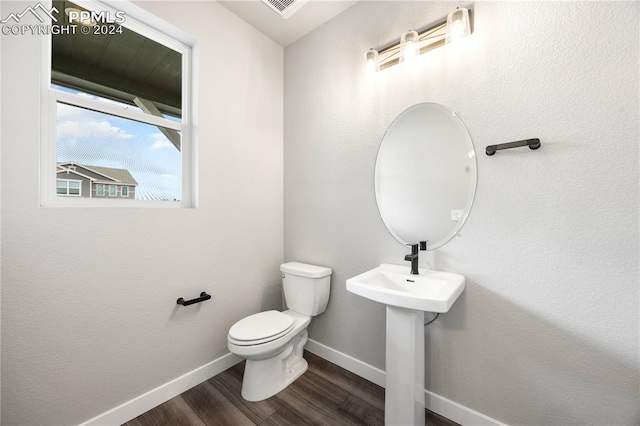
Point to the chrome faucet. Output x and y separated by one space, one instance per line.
413 257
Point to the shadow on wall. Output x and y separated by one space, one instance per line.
565 378
272 296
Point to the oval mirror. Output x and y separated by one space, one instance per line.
425 175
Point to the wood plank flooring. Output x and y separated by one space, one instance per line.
325 395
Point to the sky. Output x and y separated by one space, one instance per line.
96 139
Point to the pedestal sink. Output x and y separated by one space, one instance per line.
407 297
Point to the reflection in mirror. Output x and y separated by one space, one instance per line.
425 175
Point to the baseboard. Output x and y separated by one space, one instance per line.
457 412
145 402
347 362
433 402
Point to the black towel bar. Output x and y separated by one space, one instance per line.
531 143
203 296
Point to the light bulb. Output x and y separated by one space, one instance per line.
457 30
458 25
409 46
371 61
82 17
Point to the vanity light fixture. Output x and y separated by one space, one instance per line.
414 43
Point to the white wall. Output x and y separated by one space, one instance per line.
83 334
546 332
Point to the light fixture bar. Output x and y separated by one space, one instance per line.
429 38
390 55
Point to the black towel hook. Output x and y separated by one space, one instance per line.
531 143
203 296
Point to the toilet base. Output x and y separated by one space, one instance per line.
265 378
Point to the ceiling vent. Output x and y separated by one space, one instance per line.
285 8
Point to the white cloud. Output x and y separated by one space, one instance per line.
160 141
76 122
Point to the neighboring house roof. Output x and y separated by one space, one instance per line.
75 172
121 176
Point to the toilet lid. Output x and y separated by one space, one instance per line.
261 326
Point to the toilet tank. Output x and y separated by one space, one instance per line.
306 287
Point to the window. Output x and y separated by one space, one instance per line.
68 187
118 110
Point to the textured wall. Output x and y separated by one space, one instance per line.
79 341
547 329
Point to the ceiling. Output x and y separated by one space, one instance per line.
285 31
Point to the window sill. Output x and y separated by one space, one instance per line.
77 202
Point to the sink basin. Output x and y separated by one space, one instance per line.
393 285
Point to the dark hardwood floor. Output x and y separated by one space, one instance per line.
325 395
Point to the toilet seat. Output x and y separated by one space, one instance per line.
260 328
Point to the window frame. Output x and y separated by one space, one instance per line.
79 194
153 28
100 185
122 191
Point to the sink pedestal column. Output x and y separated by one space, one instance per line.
404 393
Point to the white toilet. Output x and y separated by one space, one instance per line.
272 341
